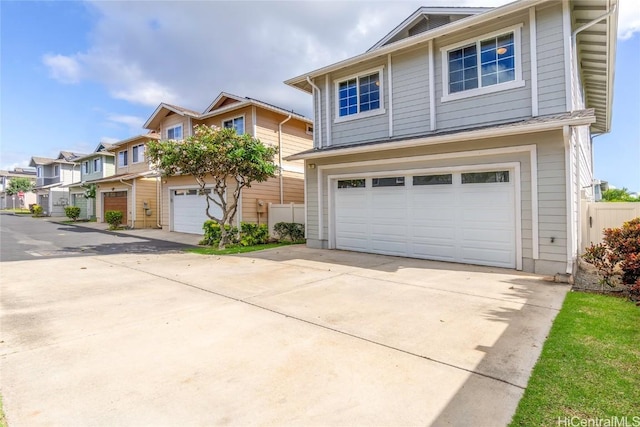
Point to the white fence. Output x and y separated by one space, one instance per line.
285 213
600 215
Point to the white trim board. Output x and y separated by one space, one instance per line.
530 149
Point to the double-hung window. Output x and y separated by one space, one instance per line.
236 123
97 165
85 167
489 64
174 132
360 95
56 170
123 158
138 153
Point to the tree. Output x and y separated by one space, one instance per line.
618 195
17 185
217 158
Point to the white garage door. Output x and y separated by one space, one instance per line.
189 210
466 217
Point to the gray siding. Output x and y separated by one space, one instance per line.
550 50
410 73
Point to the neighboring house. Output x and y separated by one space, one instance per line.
97 165
464 135
183 209
134 187
8 201
53 177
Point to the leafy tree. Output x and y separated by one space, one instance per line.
219 158
89 191
618 195
17 185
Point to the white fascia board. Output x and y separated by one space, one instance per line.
219 97
442 139
420 38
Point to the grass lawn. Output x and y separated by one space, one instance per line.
237 249
18 211
589 367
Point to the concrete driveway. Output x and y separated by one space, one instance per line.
289 336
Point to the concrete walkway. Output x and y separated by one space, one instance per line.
288 336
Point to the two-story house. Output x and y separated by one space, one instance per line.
133 189
53 177
183 208
97 165
13 201
464 135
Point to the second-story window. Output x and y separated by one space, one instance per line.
174 132
123 158
359 95
85 167
39 172
138 153
97 165
488 64
236 123
56 170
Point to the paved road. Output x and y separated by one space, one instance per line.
24 238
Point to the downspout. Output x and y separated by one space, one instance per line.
133 201
574 42
158 201
280 156
566 134
317 129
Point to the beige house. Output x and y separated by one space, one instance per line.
183 209
134 188
8 201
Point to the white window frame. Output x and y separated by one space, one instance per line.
133 154
483 90
370 113
175 127
56 170
85 167
39 172
125 158
97 164
231 119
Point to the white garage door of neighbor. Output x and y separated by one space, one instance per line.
189 210
466 217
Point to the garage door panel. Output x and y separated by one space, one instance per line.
472 223
189 211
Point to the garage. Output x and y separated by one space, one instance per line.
115 201
79 200
189 210
458 216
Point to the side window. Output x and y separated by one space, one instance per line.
174 132
236 123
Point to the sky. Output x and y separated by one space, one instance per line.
77 73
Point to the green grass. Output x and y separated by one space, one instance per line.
18 211
590 364
236 249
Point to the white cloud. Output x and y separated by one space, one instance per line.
65 69
628 19
133 122
109 140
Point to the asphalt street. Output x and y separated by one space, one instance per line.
24 238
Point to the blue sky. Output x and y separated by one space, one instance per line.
74 74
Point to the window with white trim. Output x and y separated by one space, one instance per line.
39 172
123 158
359 94
236 123
174 132
56 170
137 153
85 167
488 64
97 164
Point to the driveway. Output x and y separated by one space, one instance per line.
288 336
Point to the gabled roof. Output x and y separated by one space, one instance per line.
40 161
150 135
424 13
101 150
223 103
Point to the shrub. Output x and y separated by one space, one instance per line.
36 209
114 218
253 234
72 212
289 230
619 255
212 233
